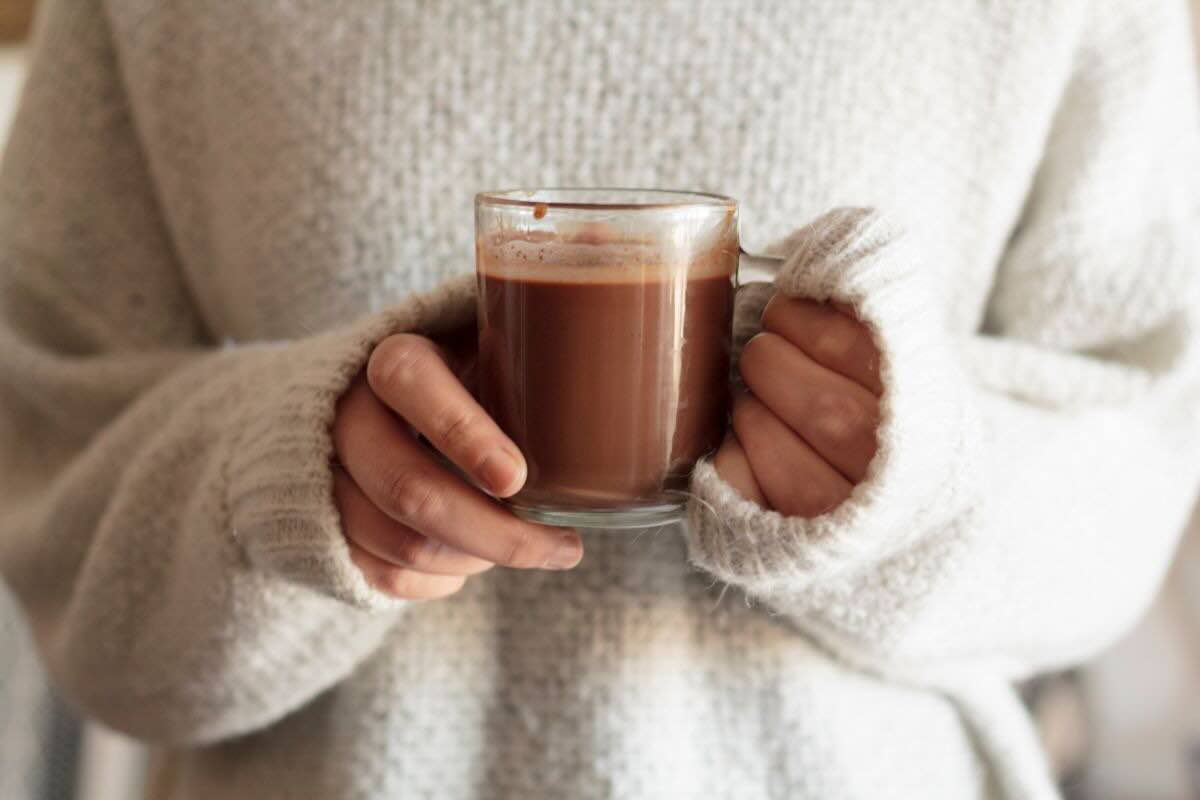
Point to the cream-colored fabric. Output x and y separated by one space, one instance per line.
921 574
209 213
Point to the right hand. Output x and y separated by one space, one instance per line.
415 528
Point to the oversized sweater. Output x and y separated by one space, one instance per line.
210 212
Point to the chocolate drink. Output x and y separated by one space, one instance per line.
611 378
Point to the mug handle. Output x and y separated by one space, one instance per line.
757 267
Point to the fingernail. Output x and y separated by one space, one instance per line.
568 553
499 472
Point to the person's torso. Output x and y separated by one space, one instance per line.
631 676
318 160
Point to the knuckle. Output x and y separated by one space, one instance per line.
411 549
414 496
459 430
398 362
833 344
839 417
518 551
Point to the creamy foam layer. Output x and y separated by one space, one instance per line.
595 259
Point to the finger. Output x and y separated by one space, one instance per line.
386 539
403 582
403 480
835 415
734 468
828 335
794 478
410 375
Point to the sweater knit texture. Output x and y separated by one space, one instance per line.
209 214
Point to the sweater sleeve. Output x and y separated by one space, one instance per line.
1031 480
166 515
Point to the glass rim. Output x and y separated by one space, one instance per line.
672 198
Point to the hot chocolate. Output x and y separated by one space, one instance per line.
606 363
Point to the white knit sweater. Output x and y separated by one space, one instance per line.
205 210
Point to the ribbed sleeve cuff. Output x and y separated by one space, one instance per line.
920 476
280 479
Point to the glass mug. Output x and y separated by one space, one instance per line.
605 320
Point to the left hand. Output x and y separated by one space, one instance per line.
804 434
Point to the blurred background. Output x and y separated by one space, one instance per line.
1126 727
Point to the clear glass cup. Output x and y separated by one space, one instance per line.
605 319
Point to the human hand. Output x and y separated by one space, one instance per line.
805 433
416 529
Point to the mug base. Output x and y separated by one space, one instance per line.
602 518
